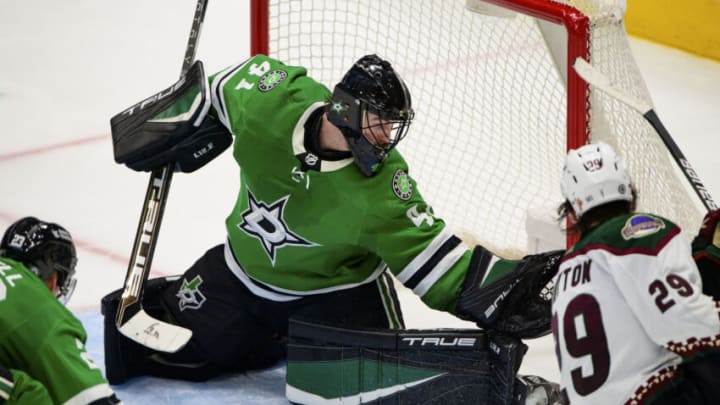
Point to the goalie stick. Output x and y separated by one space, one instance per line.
131 319
597 79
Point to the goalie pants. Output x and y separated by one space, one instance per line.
233 329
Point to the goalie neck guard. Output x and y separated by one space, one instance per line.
44 248
372 108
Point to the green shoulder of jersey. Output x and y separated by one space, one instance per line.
639 232
27 390
263 93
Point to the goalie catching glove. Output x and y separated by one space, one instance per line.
509 296
171 126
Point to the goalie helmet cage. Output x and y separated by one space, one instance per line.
496 99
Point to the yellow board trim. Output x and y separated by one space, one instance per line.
689 25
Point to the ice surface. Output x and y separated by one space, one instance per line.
67 67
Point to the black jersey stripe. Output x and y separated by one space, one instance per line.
390 301
429 265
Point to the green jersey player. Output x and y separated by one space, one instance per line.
17 387
41 341
326 213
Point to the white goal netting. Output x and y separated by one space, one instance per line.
490 93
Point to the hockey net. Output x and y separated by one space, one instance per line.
497 103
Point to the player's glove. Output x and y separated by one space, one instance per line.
512 297
706 252
710 229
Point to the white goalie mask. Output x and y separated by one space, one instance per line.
594 175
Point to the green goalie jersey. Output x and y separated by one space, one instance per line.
41 337
302 225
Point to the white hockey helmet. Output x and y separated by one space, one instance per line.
594 175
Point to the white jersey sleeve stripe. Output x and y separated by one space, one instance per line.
419 261
91 394
439 270
216 91
6 387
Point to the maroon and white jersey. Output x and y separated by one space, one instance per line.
628 308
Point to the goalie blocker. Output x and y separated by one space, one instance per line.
171 126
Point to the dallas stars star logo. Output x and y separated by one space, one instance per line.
338 107
266 223
189 295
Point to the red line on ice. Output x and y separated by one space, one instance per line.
50 148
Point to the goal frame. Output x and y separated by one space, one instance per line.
575 22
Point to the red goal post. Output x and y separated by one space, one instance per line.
497 101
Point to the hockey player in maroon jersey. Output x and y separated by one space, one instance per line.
629 317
